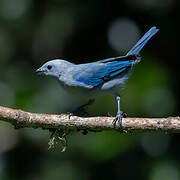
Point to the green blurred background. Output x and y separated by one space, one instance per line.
35 31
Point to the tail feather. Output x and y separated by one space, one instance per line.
141 43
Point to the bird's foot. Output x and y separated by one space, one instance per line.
118 120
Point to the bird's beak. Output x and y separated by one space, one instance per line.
39 71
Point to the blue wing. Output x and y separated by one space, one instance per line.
95 74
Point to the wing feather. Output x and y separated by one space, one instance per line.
95 74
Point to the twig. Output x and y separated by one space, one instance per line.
22 119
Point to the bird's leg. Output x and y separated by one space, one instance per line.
81 108
118 118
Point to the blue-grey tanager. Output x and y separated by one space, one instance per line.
107 75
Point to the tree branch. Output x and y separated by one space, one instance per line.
21 119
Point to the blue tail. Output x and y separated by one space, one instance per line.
141 43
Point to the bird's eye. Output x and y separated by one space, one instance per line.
49 67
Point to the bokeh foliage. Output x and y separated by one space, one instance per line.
35 31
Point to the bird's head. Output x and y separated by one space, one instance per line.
52 68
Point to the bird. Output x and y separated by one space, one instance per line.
103 76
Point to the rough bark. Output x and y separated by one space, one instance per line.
21 119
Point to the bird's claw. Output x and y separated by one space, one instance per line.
118 120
